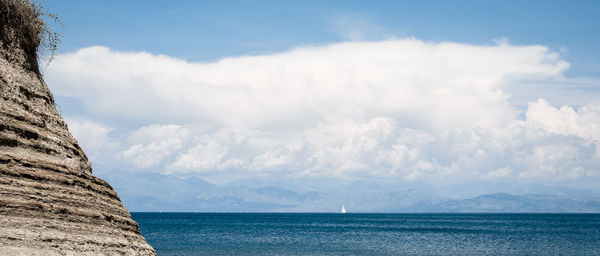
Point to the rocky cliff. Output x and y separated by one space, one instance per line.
50 203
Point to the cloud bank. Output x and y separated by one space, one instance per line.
396 109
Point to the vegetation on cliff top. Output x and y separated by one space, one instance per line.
28 21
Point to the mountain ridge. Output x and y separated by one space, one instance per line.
236 197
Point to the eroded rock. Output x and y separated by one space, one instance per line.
50 203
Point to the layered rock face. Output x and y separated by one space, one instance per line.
50 203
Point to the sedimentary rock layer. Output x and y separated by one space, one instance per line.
50 203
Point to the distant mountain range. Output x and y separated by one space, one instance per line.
502 202
157 192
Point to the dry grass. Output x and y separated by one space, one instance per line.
25 25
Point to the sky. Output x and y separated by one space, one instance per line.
424 94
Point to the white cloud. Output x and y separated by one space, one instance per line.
93 138
445 85
498 173
150 144
398 109
584 122
554 162
214 152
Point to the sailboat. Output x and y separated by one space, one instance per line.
343 209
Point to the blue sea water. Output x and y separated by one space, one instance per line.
370 234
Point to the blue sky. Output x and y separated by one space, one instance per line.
462 97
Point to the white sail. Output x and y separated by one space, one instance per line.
343 209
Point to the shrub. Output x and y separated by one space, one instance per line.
25 23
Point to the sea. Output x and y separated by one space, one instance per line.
370 234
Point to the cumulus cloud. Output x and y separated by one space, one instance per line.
150 144
498 173
423 84
93 137
397 109
584 122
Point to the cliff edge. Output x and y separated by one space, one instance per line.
50 203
